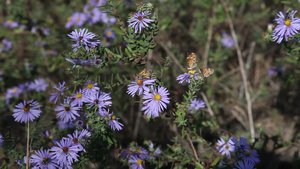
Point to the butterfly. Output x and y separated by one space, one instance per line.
145 74
205 72
192 61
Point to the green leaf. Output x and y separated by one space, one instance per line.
143 43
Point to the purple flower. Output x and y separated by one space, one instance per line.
39 85
275 70
79 62
65 152
63 125
244 165
50 52
157 150
79 19
47 135
13 92
225 148
70 22
240 146
97 3
113 122
79 123
5 45
156 101
227 40
108 19
90 88
197 104
60 91
99 98
68 111
287 27
137 162
83 37
250 156
187 76
11 24
110 34
139 85
42 159
139 21
94 16
79 136
78 98
1 140
46 31
26 111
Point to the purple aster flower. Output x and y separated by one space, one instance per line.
250 156
187 76
240 146
78 98
275 70
11 24
60 91
139 21
1 140
39 85
157 150
42 159
79 18
65 152
137 162
97 62
139 85
156 101
94 16
79 62
225 148
197 104
70 22
287 27
5 45
68 110
47 136
46 31
79 123
26 111
63 125
79 136
108 19
244 165
110 34
83 37
90 88
13 92
97 3
113 122
99 98
227 40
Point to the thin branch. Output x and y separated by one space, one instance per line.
243 73
209 37
172 56
191 144
138 120
210 111
27 149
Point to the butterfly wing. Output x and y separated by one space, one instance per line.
205 72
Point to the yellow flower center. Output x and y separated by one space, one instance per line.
113 117
108 33
90 86
50 137
15 90
287 22
140 82
79 95
26 108
192 71
69 19
10 21
157 97
248 153
138 150
230 163
77 19
139 162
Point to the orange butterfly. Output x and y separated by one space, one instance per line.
205 72
192 61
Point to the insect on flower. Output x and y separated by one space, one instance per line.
192 62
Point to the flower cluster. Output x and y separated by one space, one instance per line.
244 156
5 45
92 14
37 84
196 104
187 76
11 24
287 26
137 155
83 38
